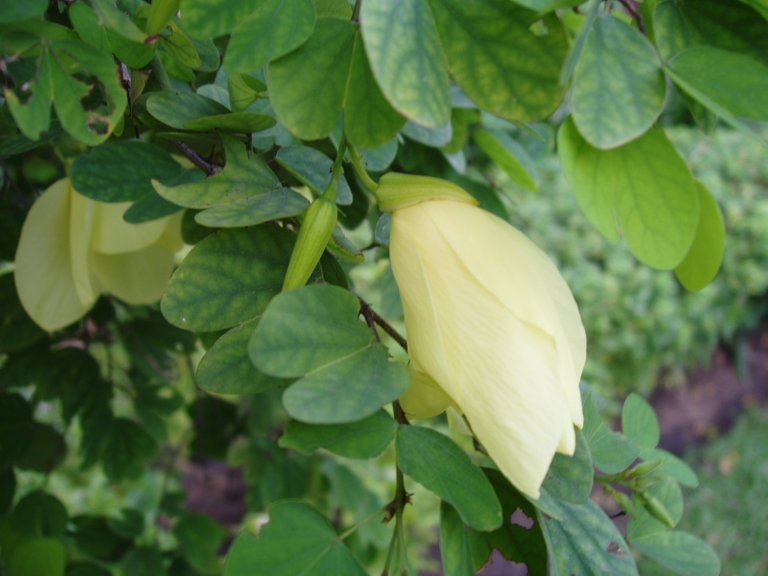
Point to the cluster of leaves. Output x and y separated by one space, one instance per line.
241 113
643 329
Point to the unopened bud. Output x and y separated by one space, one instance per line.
314 234
397 191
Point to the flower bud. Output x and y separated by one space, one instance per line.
314 234
398 191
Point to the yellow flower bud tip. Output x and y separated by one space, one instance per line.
397 191
493 325
73 248
314 234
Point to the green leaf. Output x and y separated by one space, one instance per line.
296 540
347 389
679 551
618 86
611 452
658 507
188 111
180 47
33 117
412 72
583 540
314 332
122 170
671 29
17 330
462 550
244 177
509 156
125 450
8 489
307 86
729 25
569 478
642 190
132 54
673 467
730 84
15 423
639 422
38 557
211 18
45 448
18 11
226 367
86 569
110 16
366 438
313 169
273 29
706 254
228 278
503 65
160 13
200 538
515 539
39 514
274 205
438 464
306 329
369 119
91 126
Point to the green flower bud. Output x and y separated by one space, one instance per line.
398 191
314 234
657 509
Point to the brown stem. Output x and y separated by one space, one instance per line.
205 165
371 317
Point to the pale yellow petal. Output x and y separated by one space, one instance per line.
113 235
81 215
137 277
43 269
424 397
524 279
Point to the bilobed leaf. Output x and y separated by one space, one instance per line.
307 86
509 156
681 552
673 466
122 170
211 18
112 17
642 190
639 422
17 330
296 540
584 540
143 560
366 438
618 85
274 205
180 47
412 72
706 255
273 29
462 550
313 169
731 84
314 333
226 367
243 177
504 66
671 29
228 278
18 11
39 514
347 389
305 329
438 464
38 557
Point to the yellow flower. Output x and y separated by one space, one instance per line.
493 329
72 248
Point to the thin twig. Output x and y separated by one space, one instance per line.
370 314
206 166
631 7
